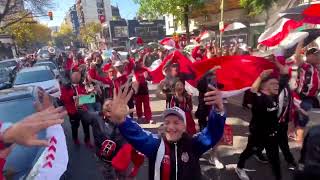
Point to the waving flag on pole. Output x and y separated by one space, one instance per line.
275 34
233 26
168 42
308 13
205 35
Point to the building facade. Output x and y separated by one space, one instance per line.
74 20
149 31
98 11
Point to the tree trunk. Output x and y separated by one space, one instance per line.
186 21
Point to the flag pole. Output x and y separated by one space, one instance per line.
221 24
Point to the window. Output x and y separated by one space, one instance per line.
7 64
121 31
33 77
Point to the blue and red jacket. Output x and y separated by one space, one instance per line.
187 150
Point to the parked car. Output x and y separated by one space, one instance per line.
51 65
14 65
28 162
6 78
40 76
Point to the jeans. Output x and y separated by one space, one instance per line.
94 107
307 104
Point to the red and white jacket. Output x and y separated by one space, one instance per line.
308 80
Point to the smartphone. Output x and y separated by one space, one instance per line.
87 99
211 80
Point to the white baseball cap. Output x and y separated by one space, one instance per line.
175 111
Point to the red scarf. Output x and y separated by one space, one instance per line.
166 163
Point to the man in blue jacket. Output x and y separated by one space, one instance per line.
174 155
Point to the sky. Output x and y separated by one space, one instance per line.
127 8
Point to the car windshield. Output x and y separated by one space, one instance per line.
50 65
13 111
4 75
33 77
7 64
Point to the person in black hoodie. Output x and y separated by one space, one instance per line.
264 125
115 153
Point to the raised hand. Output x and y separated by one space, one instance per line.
214 98
46 101
266 73
119 108
25 132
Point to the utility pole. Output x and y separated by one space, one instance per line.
221 24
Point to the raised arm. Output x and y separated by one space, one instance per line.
211 135
255 86
143 141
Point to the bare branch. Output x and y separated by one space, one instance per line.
15 21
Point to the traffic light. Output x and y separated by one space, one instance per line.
50 15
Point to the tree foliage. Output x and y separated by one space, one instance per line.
29 35
88 33
256 7
180 9
10 8
64 37
152 9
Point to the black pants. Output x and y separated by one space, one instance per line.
284 143
75 123
256 142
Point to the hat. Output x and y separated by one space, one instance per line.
175 111
118 63
312 50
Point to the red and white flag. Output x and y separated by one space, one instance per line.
168 42
237 73
233 26
205 35
275 34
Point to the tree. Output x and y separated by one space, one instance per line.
64 37
88 33
180 9
10 8
29 35
256 7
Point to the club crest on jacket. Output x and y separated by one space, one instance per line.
185 157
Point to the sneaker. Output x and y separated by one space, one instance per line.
216 163
292 166
261 158
242 174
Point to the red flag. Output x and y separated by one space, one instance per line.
237 72
176 57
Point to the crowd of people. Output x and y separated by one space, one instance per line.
112 96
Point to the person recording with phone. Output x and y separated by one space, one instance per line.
203 110
70 94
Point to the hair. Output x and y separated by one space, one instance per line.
265 80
